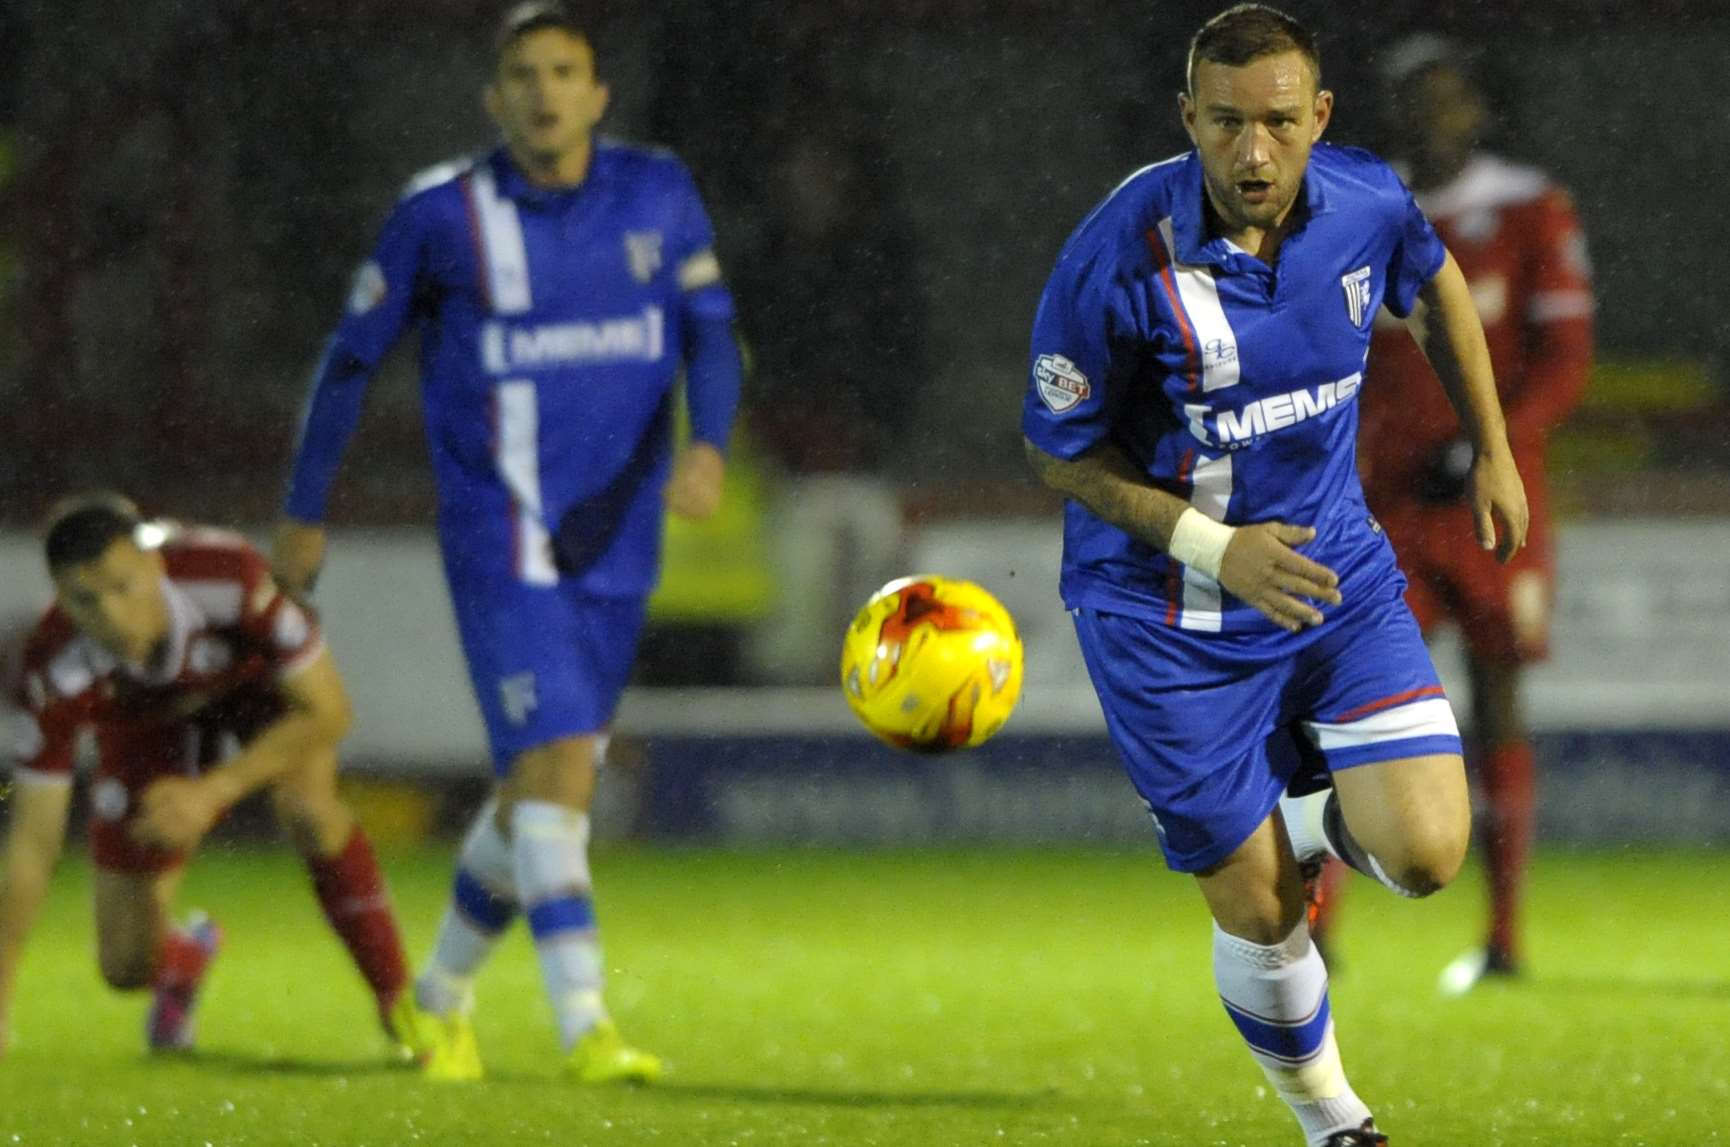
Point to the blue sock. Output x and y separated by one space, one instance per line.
483 904
550 854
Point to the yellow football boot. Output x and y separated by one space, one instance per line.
408 1028
603 1056
452 1055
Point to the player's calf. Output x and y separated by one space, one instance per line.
133 924
1256 893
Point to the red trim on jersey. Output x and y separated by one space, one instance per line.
479 243
1387 703
1162 261
1173 567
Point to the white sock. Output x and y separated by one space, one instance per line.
550 850
1278 997
1316 826
483 904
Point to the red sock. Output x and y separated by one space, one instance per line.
1508 774
352 892
179 961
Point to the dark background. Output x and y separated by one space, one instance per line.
186 188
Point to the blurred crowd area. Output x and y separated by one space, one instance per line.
187 186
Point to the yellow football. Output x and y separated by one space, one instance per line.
931 664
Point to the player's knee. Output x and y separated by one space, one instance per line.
1261 916
560 772
125 969
1430 858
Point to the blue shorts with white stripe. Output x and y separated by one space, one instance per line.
1213 727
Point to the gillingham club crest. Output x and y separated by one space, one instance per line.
643 253
1357 288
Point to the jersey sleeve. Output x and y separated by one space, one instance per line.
1560 269
38 727
382 296
286 631
380 306
1557 317
1076 357
1416 256
691 247
714 374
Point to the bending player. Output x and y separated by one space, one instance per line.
559 282
166 644
1196 362
1521 249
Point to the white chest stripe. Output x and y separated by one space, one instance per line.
501 242
1215 340
519 462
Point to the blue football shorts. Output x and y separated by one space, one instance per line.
1213 727
546 662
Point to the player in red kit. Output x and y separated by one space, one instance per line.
1516 237
170 646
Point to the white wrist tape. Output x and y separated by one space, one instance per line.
1199 542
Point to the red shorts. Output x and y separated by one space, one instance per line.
132 755
1503 611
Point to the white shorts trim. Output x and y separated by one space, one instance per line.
1432 717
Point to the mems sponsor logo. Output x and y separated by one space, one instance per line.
1271 414
638 338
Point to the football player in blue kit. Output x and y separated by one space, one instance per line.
1195 363
558 285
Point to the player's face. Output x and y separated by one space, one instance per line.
1440 114
545 97
117 600
1253 127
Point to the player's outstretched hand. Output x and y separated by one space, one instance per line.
694 490
1499 499
176 812
296 556
1263 567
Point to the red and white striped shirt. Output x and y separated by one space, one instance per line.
230 629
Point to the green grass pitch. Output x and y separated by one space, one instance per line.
907 998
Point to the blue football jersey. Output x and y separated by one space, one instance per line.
553 324
1231 384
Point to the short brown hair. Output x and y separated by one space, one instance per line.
534 15
81 528
1248 32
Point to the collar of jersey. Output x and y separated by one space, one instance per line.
1189 225
513 185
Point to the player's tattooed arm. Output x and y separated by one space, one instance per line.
1257 563
33 842
1446 326
1108 483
